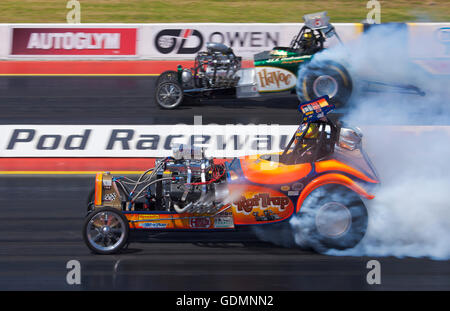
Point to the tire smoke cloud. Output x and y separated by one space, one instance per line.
410 215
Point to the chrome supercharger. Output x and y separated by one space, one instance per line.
197 185
218 68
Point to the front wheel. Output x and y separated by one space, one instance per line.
331 217
326 78
106 231
169 94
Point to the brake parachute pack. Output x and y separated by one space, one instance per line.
314 110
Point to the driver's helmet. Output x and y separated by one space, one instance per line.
307 38
313 131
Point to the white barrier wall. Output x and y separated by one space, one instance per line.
139 140
4 41
177 41
222 141
428 43
145 41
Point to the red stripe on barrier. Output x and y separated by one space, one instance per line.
130 67
78 164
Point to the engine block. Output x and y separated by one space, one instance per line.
217 66
198 183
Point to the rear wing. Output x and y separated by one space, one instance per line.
316 109
319 21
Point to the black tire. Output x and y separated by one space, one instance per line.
325 78
169 94
169 75
90 201
104 234
313 227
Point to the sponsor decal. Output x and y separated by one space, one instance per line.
443 36
182 41
200 222
109 197
313 111
261 200
294 61
293 193
175 41
285 188
255 204
223 221
274 79
288 60
297 186
167 40
153 225
268 215
148 216
74 41
253 39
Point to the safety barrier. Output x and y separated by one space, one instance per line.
144 41
428 43
53 149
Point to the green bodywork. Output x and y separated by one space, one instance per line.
282 58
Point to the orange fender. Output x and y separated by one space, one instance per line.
335 165
262 172
98 188
331 179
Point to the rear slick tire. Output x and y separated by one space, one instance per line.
331 217
326 78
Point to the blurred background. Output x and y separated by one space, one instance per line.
260 11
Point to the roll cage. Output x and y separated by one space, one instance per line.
312 149
313 34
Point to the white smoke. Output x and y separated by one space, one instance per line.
410 215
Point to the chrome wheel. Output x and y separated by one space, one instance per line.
325 85
169 95
333 220
106 231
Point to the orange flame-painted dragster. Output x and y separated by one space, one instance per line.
312 193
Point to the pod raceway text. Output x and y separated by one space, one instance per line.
137 141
